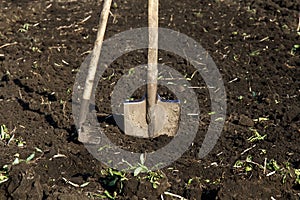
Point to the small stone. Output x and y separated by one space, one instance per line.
267 100
245 121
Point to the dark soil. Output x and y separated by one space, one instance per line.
42 45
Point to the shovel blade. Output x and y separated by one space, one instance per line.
166 118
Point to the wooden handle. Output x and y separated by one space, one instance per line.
97 50
152 52
94 62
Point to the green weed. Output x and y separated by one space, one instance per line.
295 49
256 136
4 176
24 28
113 181
297 178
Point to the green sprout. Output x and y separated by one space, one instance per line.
194 179
108 195
36 49
249 162
112 179
24 28
261 119
116 176
69 91
255 53
297 173
246 165
240 97
190 181
236 57
256 136
294 49
207 181
115 5
7 137
141 168
104 147
4 174
238 164
4 135
35 65
131 71
30 157
286 170
154 178
272 165
20 142
16 160
263 151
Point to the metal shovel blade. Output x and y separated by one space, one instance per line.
166 118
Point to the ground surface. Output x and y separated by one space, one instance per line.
254 44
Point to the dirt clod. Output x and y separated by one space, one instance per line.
246 121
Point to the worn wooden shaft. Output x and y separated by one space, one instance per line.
94 61
152 66
152 53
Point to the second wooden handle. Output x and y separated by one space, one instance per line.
152 52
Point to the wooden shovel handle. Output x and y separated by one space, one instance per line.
152 53
97 50
94 62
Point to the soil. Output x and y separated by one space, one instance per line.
254 45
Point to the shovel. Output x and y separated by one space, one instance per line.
151 117
84 136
